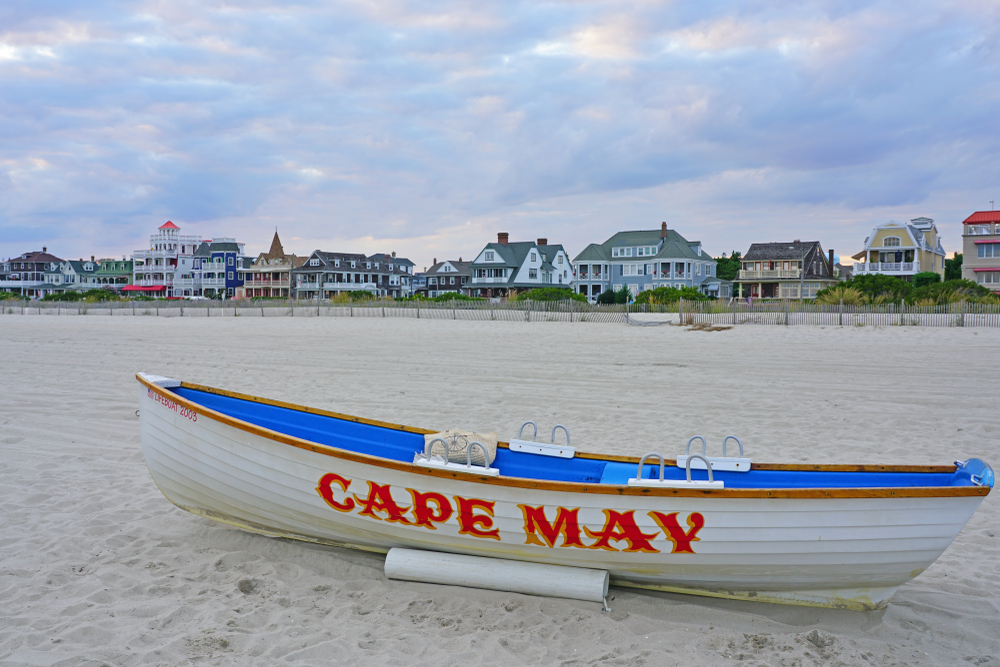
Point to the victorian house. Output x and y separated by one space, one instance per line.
448 276
981 249
270 275
183 266
326 274
643 260
25 275
795 270
902 250
504 268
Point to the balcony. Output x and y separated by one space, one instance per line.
897 268
775 274
593 277
489 281
345 287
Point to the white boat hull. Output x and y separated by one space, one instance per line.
850 552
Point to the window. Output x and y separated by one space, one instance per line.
336 263
432 281
532 274
353 264
989 277
312 262
230 261
560 259
453 280
230 275
987 250
368 265
890 242
534 257
489 255
977 230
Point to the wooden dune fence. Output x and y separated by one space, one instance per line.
780 313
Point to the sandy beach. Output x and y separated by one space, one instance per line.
98 568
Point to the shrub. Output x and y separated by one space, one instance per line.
610 297
665 295
832 296
455 296
550 294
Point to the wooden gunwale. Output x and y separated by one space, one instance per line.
566 487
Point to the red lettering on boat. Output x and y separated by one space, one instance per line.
325 490
423 513
567 524
628 531
380 500
672 530
469 522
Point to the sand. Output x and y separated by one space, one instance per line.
97 567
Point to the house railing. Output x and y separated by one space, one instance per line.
886 267
770 274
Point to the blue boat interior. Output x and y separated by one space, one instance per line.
395 445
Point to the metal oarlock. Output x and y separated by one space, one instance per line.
542 448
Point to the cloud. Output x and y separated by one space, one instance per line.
427 126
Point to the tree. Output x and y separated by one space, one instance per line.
953 267
926 278
727 268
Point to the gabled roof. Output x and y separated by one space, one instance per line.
208 247
461 269
328 258
980 217
168 225
784 251
36 256
386 257
674 246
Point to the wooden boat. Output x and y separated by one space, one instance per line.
827 535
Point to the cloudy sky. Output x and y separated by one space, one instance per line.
426 127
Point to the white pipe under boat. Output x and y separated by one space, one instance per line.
497 574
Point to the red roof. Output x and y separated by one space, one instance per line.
982 216
169 225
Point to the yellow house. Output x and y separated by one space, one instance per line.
902 250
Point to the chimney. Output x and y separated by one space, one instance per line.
502 237
435 261
91 258
831 263
542 242
663 230
44 249
460 259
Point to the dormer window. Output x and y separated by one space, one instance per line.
890 242
313 262
353 264
336 263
